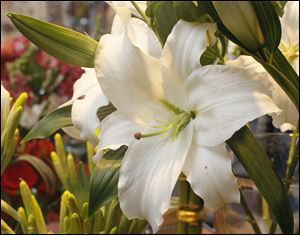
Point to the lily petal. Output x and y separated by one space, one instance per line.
130 78
288 118
139 33
184 47
290 23
149 173
86 100
125 8
116 130
208 170
229 99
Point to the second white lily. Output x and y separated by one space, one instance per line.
175 116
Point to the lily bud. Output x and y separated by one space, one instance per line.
65 44
26 197
39 218
240 19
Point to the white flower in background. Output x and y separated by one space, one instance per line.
86 100
288 118
175 116
31 115
5 107
290 33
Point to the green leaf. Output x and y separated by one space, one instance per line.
187 10
269 23
82 188
42 168
163 18
65 44
279 7
260 169
105 179
283 65
283 81
210 55
104 111
50 123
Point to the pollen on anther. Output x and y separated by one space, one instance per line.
81 97
205 167
138 135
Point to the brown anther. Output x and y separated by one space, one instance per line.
138 135
81 97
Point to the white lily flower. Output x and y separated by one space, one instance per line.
86 100
84 115
175 116
5 106
289 44
288 118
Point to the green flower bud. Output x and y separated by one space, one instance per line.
65 44
240 19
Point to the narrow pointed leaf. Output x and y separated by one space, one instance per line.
260 169
7 209
286 83
105 179
65 44
50 123
42 168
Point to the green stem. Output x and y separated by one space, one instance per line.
252 219
292 160
139 10
183 201
196 203
291 166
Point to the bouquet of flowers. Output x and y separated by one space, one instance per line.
47 80
159 103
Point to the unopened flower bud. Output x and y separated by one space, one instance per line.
240 19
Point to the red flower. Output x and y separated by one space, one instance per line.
39 148
10 179
46 61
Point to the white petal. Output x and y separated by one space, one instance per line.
226 98
208 170
72 132
148 175
121 8
144 38
116 130
124 9
185 45
140 34
130 78
118 26
5 100
86 100
84 114
290 23
288 118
